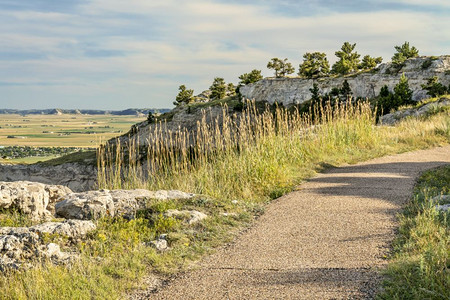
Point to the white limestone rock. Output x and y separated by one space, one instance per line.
21 247
366 85
31 198
159 244
86 205
95 204
190 216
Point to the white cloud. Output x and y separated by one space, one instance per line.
162 44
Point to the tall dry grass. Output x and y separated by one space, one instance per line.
246 156
252 157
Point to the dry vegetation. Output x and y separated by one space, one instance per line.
252 160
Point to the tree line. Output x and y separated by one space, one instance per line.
314 65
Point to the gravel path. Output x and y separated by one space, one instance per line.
324 241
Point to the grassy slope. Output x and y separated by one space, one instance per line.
420 267
253 176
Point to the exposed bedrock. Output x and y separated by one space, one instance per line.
78 177
296 90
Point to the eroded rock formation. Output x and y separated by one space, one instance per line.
367 85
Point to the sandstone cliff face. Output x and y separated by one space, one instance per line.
78 177
184 119
296 90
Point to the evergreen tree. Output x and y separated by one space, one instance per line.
346 91
151 118
231 89
184 95
348 60
253 76
281 67
315 93
369 62
403 53
384 92
402 92
218 88
434 88
314 65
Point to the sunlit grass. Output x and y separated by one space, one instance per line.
251 158
420 265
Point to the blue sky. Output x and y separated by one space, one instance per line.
115 54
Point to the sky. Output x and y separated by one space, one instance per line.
116 54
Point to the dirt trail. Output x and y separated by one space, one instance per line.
325 241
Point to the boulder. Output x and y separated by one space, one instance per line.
32 198
86 205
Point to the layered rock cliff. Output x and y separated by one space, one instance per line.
78 177
367 84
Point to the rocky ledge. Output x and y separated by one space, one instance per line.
78 177
365 84
426 109
24 247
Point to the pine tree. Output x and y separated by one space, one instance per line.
346 91
348 60
218 88
402 92
281 67
315 93
434 88
253 76
403 53
314 65
184 95
369 62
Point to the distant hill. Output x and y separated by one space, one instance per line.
58 111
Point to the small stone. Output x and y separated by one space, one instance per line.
229 214
441 198
160 245
443 208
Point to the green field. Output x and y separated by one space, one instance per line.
62 130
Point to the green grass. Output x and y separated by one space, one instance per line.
268 156
420 267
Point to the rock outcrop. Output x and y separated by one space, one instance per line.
31 198
95 204
367 85
22 247
78 177
392 118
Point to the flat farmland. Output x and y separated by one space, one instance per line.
62 130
